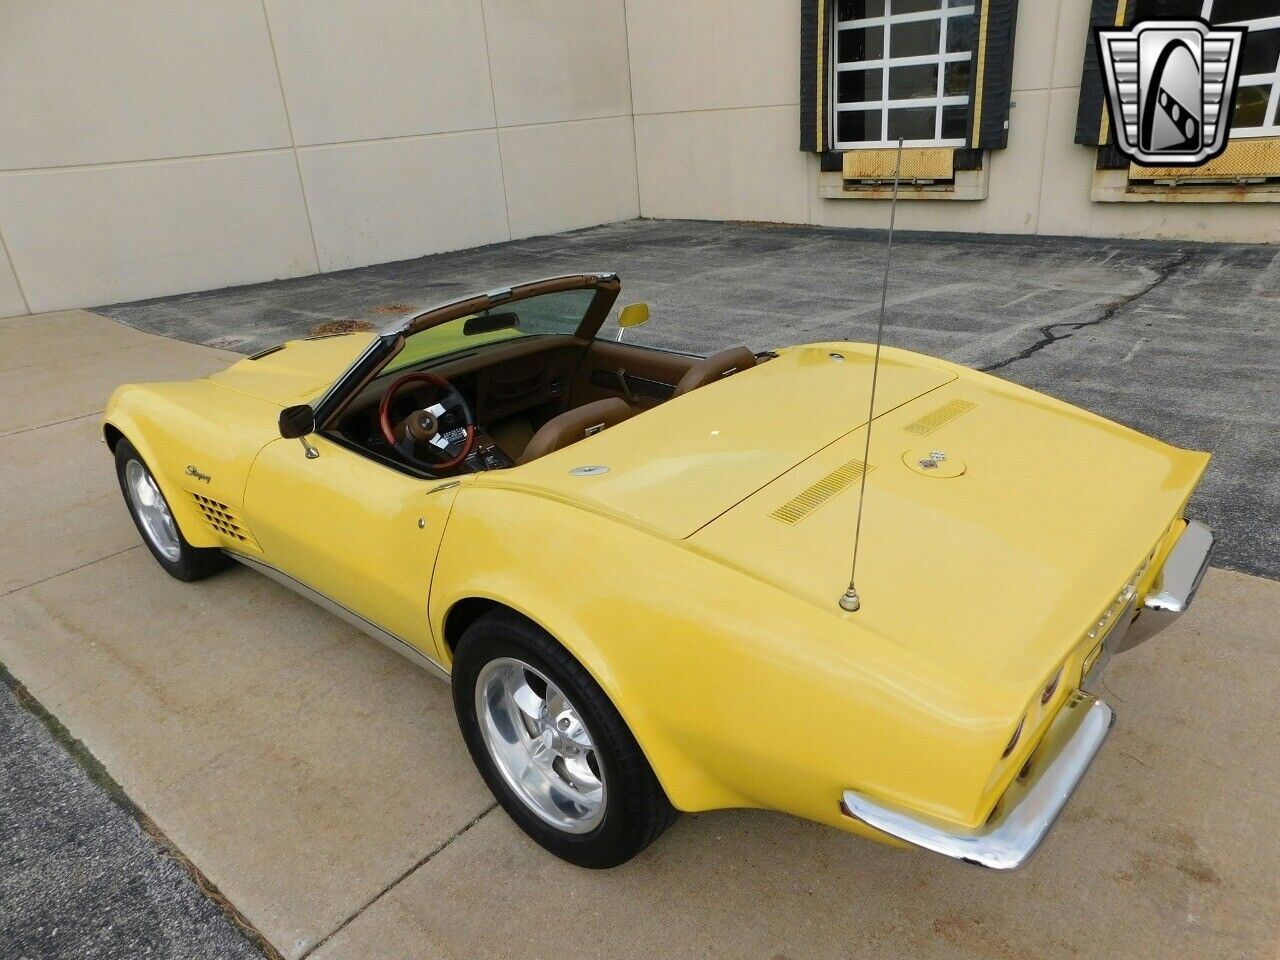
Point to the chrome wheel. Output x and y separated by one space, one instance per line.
152 511
540 745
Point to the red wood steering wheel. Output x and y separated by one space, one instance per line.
405 449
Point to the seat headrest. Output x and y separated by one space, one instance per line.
574 425
712 368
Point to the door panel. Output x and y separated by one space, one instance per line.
651 375
349 528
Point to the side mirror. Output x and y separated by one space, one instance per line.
297 421
632 315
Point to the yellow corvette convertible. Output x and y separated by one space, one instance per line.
629 561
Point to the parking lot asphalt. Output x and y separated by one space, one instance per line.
317 781
1181 341
80 876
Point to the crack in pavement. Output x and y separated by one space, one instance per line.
1054 332
55 576
398 880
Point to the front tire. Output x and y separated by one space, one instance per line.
551 747
155 521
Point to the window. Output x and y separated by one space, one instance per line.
1257 112
559 313
901 68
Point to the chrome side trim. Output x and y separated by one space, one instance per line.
1175 586
1030 805
390 640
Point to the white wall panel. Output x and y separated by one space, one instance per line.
723 165
1034 44
381 68
11 302
562 176
86 82
397 199
557 59
713 53
105 234
1070 36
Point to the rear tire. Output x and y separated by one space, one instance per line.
596 803
155 521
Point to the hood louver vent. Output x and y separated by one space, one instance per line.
222 520
810 499
938 418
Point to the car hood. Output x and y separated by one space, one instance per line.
294 372
675 468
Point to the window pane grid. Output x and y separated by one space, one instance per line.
916 102
1255 86
923 59
925 107
906 18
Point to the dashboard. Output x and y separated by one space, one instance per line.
529 376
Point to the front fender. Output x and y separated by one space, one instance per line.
197 425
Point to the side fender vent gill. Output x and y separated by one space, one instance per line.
222 521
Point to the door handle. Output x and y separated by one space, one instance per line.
626 387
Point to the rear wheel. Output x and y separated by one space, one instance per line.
154 520
551 747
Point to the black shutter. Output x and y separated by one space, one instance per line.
815 42
1089 130
996 22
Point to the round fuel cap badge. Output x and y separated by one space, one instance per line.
934 462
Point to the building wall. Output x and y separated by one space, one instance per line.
152 147
717 129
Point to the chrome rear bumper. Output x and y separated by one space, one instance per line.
1174 587
1028 808
1032 804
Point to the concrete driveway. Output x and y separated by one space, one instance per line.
318 781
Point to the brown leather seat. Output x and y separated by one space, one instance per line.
573 425
712 368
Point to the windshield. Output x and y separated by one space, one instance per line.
558 313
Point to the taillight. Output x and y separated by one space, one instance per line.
1051 688
1013 741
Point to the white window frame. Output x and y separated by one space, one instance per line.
1271 119
885 63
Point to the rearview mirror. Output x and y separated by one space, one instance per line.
632 315
297 421
490 323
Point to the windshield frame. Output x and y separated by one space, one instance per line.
390 341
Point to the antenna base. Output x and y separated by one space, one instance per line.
850 602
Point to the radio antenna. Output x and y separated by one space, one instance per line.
850 602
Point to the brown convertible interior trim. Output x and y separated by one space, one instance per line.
533 395
607 287
642 376
712 368
573 425
525 396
